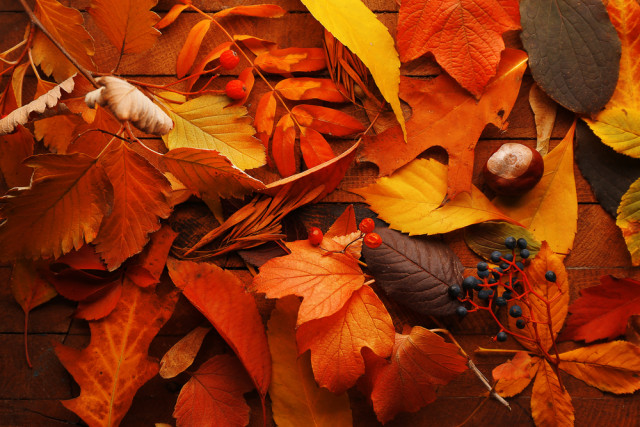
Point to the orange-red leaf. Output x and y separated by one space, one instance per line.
315 149
283 146
510 385
265 117
327 120
128 24
248 80
139 203
213 395
326 282
550 402
514 369
16 147
337 340
258 10
344 225
171 16
115 364
191 47
182 354
465 36
291 60
256 45
305 88
221 297
148 266
211 56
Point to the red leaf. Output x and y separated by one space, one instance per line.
153 259
265 117
213 395
191 47
463 35
258 10
291 60
304 88
315 149
327 120
283 146
602 311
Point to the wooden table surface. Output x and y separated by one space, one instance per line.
30 397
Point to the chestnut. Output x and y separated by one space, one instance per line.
513 169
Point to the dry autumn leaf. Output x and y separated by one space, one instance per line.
283 146
550 402
191 47
327 120
305 88
487 237
291 60
544 111
258 10
508 387
182 354
628 219
515 369
17 147
315 149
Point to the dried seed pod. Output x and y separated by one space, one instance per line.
513 169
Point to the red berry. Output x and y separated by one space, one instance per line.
315 236
235 89
229 59
372 240
367 225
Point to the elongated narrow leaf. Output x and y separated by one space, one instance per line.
550 402
265 117
283 146
305 88
327 120
191 47
315 149
291 60
171 16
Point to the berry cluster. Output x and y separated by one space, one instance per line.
366 227
498 285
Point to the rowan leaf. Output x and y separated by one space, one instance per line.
182 354
628 220
574 51
66 25
513 379
115 364
191 47
556 294
415 272
327 120
355 26
550 209
550 402
295 397
438 106
291 60
283 146
487 237
464 36
16 147
61 210
171 16
213 395
420 362
337 340
265 117
222 298
315 149
128 24
248 80
258 10
410 199
205 123
305 88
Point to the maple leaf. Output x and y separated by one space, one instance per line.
550 209
207 123
213 395
115 364
66 25
296 398
61 210
550 402
182 354
139 201
602 311
420 361
221 297
464 36
438 106
337 340
410 201
128 24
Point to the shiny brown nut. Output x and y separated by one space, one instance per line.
513 169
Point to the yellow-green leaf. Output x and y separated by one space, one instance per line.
629 220
619 128
205 123
351 22
409 200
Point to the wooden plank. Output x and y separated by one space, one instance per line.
49 413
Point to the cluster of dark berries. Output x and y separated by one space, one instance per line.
366 227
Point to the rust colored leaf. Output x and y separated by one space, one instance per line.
153 258
508 387
61 210
305 88
247 78
171 16
550 402
213 395
139 202
57 132
291 60
191 47
337 340
16 147
258 10
315 149
265 117
256 45
128 24
464 36
632 334
115 364
514 369
283 146
327 120
602 311
420 362
222 298
439 106
344 225
181 355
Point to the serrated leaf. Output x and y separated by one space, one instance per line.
205 123
489 236
415 271
16 147
619 128
574 51
628 220
550 402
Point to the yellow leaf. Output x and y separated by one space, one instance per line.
296 398
550 209
128 24
550 403
351 22
612 366
629 220
619 128
409 201
205 123
66 25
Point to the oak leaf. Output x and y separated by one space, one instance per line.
487 237
336 341
115 364
182 354
438 106
550 402
602 311
295 397
464 36
410 201
629 219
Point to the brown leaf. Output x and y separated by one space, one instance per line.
182 354
16 147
